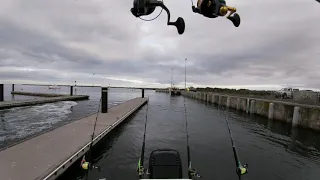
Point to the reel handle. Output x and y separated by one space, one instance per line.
179 23
146 7
233 16
235 19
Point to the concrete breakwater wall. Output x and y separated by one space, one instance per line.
307 116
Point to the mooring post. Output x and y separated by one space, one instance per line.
75 87
271 111
220 100
248 106
104 100
238 103
252 106
228 101
142 92
12 95
71 90
296 116
1 92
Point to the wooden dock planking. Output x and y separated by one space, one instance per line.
40 156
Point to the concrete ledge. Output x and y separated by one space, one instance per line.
303 115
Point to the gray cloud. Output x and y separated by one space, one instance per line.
59 41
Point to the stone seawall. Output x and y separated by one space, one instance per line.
307 116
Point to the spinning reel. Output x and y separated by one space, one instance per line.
146 7
216 8
208 8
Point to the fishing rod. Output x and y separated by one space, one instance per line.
241 169
192 173
86 165
140 167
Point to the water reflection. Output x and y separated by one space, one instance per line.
273 149
2 123
295 140
270 124
22 122
3 129
2 117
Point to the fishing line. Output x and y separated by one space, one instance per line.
191 172
140 167
188 148
94 127
87 165
241 169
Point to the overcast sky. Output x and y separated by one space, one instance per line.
101 42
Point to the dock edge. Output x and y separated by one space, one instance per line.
67 163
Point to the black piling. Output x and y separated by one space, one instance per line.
142 93
71 90
104 100
1 92
12 95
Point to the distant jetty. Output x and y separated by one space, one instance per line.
50 99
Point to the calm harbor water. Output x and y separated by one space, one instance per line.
19 123
272 149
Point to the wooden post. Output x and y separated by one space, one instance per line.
71 90
1 92
142 92
104 100
12 87
75 87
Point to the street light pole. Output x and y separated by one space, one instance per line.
185 74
